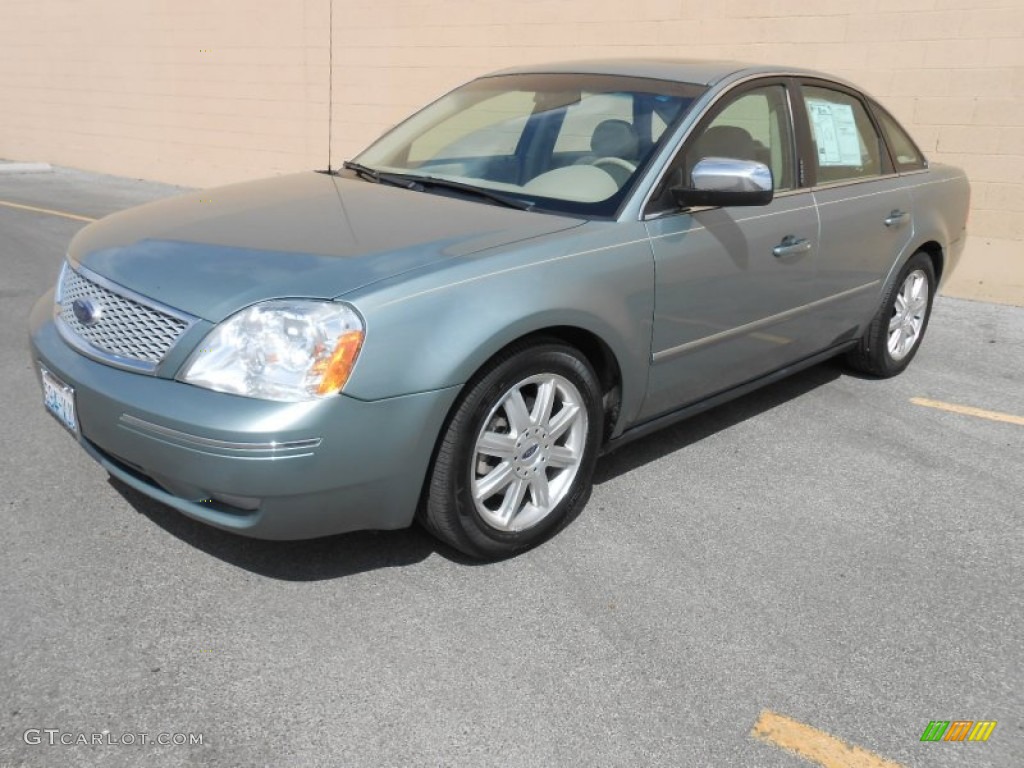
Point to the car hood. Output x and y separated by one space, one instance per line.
313 235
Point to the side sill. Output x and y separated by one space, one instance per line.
687 411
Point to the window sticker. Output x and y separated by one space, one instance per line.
835 132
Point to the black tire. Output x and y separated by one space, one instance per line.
872 355
449 509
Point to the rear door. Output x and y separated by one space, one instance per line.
732 284
865 208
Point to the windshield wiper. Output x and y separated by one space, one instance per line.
497 197
378 177
419 183
365 171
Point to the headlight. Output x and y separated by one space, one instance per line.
287 350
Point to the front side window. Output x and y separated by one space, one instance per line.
754 125
564 143
846 145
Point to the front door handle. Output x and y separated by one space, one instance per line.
790 245
896 217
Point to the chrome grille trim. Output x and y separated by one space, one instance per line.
133 332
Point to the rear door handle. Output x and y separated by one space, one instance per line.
791 244
896 217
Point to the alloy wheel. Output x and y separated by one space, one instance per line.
528 452
908 315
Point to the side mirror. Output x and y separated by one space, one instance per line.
722 181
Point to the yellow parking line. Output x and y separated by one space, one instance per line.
814 745
967 410
50 211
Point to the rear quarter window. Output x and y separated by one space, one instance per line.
905 153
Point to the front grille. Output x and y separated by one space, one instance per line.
126 328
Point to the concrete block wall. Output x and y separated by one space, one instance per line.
208 92
188 92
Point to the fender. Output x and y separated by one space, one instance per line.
445 322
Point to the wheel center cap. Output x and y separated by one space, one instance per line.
530 451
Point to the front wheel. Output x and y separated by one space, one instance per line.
896 332
517 456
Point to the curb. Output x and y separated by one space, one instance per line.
25 168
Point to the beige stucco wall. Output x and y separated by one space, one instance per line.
202 92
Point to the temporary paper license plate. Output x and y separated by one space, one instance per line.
59 400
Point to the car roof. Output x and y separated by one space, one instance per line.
697 71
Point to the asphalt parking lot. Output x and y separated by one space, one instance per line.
824 549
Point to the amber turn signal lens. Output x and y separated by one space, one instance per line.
335 370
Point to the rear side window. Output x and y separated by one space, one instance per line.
904 151
847 147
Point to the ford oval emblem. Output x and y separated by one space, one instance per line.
87 312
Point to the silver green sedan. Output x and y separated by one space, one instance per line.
538 267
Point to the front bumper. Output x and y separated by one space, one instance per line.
264 469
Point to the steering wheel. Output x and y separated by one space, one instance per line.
615 161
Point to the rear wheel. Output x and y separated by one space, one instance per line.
896 332
517 457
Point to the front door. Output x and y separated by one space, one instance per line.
733 284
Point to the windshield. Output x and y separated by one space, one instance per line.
565 143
